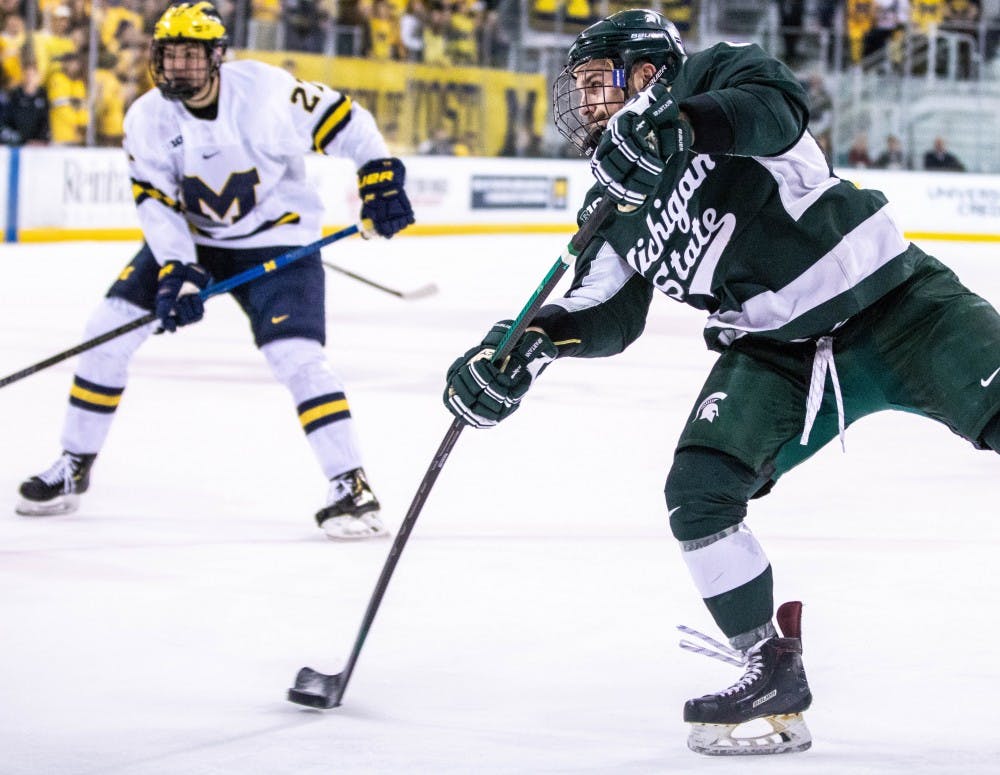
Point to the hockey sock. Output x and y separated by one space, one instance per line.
324 414
101 376
707 493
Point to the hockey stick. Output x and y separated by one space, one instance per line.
211 290
417 293
319 690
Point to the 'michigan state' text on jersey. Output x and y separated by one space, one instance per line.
763 236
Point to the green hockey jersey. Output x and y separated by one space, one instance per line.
751 226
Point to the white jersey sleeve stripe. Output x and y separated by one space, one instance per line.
331 123
143 190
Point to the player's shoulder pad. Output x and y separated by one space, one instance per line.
149 117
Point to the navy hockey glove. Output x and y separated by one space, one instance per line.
383 200
177 299
639 138
481 393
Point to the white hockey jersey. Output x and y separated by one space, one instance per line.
239 180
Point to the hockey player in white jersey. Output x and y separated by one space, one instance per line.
216 157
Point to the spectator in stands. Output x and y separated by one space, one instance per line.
577 13
262 28
79 12
436 35
927 14
67 93
961 15
462 46
26 113
857 154
939 158
118 16
891 17
496 33
384 41
893 157
109 102
52 43
860 20
305 25
12 40
411 30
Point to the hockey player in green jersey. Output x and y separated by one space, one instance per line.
821 310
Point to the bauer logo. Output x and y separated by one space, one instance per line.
519 192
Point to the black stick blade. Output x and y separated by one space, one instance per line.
315 690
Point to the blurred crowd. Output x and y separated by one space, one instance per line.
52 71
893 156
433 32
55 69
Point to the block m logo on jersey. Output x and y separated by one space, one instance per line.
235 200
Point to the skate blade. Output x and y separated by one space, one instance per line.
61 504
315 690
788 734
352 529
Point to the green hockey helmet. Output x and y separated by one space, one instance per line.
624 40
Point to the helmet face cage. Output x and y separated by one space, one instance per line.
187 23
622 40
574 88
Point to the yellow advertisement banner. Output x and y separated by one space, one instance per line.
469 110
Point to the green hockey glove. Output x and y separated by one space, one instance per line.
639 138
481 393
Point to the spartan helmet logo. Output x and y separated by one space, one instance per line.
709 408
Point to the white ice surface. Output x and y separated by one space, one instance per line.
529 627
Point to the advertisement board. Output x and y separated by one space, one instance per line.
77 193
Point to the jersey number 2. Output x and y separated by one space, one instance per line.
309 103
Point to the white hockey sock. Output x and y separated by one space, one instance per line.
100 376
301 366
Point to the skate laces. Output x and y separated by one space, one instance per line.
751 659
720 651
62 470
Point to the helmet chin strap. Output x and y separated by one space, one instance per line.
211 90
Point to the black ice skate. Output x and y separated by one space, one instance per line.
56 490
352 510
773 690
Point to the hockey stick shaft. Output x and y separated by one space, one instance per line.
214 289
576 246
425 290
